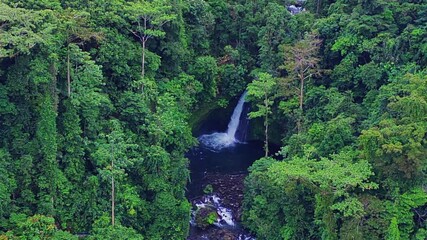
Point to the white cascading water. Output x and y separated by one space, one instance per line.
235 118
225 217
219 140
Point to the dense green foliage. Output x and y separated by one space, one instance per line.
354 148
74 117
96 96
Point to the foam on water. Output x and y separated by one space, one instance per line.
225 215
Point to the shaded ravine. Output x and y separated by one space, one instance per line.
221 162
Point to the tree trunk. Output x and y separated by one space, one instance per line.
266 136
144 40
68 74
112 201
301 101
143 64
112 190
143 60
301 94
266 126
319 3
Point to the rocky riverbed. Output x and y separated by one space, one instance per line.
222 202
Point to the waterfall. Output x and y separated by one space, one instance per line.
220 140
242 130
235 118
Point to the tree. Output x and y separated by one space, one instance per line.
20 30
271 35
205 70
301 64
199 22
148 17
36 227
395 143
402 212
76 29
102 230
393 230
284 199
323 138
261 91
114 158
88 96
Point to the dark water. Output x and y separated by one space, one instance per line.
231 160
235 159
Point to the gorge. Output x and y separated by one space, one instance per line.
220 163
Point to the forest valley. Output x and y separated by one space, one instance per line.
98 100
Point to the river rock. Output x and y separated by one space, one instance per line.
222 234
230 188
205 217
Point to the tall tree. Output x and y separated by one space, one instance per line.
76 28
261 91
113 158
301 64
148 17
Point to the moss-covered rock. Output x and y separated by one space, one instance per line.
205 217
